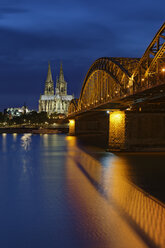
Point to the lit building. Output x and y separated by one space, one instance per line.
13 112
55 101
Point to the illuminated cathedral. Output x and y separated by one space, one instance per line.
55 101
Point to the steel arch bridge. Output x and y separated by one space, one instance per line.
112 79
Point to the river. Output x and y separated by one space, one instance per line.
57 193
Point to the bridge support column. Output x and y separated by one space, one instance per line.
136 131
72 127
117 130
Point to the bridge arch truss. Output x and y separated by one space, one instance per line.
150 69
107 79
111 79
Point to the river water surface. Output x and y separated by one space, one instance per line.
56 193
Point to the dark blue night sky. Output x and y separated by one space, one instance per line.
74 32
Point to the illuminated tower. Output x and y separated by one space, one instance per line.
49 85
61 84
46 101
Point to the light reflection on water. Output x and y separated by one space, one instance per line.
25 141
55 193
14 136
4 142
145 213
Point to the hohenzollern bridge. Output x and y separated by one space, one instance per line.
122 100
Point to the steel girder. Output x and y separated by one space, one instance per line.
114 78
106 79
73 106
148 71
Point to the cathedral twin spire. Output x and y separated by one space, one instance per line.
61 85
61 77
49 75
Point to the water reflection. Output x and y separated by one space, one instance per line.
25 141
60 195
14 136
4 147
145 214
45 139
141 209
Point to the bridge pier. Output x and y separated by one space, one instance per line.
92 127
136 131
72 127
121 130
117 130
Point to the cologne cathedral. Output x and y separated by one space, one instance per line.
55 101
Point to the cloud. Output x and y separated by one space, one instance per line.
18 45
7 11
12 10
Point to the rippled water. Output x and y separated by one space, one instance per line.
55 193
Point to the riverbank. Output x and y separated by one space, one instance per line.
34 130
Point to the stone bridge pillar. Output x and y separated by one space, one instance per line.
72 127
117 139
91 128
136 131
122 130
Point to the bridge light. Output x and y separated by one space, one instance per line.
116 116
72 122
117 126
72 127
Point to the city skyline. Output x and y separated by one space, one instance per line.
76 33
